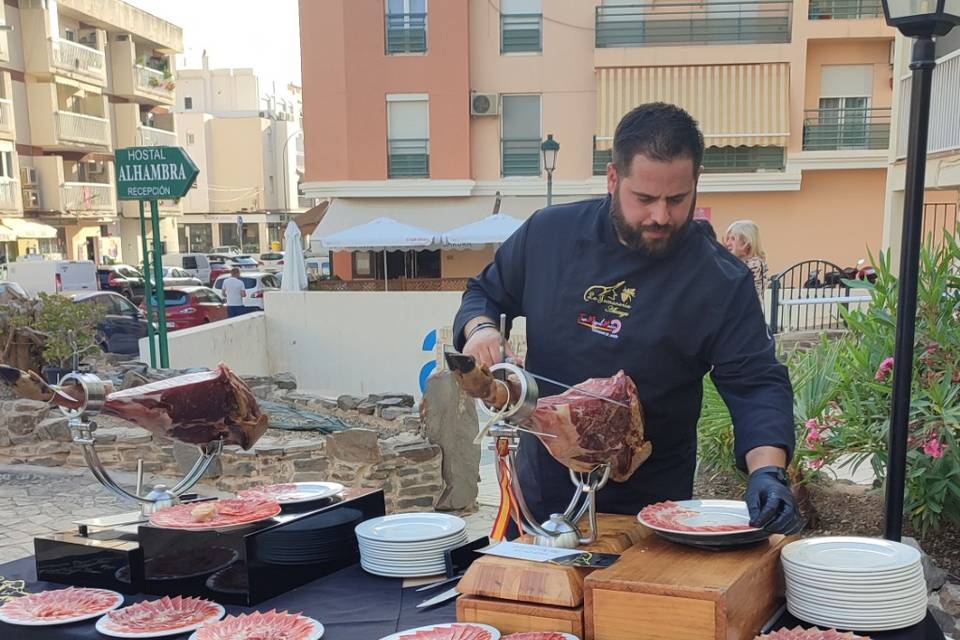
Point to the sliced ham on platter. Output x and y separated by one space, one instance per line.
294 492
156 618
272 625
540 635
454 631
671 516
216 514
799 633
59 606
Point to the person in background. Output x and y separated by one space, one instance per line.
743 240
235 292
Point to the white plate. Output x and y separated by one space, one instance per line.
709 512
792 568
50 623
316 635
883 606
307 492
858 624
101 627
411 527
494 634
387 573
404 547
405 562
848 554
909 585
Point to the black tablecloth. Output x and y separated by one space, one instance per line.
351 604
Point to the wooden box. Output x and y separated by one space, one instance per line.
659 590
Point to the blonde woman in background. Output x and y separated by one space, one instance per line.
743 240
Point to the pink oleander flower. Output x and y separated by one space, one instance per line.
812 424
816 463
934 448
884 370
932 348
813 437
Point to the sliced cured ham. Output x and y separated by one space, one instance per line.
669 515
799 633
449 632
59 605
272 625
160 616
228 513
536 635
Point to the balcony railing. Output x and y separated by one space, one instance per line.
744 159
79 127
520 157
151 137
78 58
6 115
846 129
152 80
408 158
8 194
521 32
638 25
944 133
88 196
406 33
845 9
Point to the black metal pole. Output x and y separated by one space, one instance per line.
922 64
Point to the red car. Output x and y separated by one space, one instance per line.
191 307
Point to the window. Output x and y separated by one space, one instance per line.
187 103
845 119
521 26
229 236
124 306
270 281
408 136
274 232
520 136
251 238
191 139
406 26
363 264
189 262
6 164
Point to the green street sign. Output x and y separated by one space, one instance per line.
154 173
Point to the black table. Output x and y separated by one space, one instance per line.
351 604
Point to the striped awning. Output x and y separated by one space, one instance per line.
735 104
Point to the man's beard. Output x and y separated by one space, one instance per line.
633 237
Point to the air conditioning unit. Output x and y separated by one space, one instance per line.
484 104
31 199
28 176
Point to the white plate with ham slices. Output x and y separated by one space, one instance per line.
540 635
272 624
698 517
158 618
59 606
295 492
450 631
216 514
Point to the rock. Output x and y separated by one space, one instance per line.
392 413
419 452
405 399
411 422
367 408
348 402
450 421
950 599
21 417
56 429
328 404
946 622
354 445
185 456
285 381
935 576
312 464
133 379
387 403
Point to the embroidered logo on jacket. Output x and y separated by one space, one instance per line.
603 326
617 299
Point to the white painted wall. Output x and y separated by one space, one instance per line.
239 342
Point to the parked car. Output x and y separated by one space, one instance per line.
272 261
196 264
175 277
53 276
318 268
12 287
122 279
221 263
255 284
122 325
227 249
191 307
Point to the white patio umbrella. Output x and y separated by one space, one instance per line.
294 267
382 234
494 229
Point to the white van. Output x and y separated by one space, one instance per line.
53 276
196 264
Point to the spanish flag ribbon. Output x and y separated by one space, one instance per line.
508 503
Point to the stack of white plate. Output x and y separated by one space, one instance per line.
863 584
407 545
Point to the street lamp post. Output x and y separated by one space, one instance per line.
921 20
550 148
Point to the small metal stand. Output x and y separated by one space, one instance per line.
83 430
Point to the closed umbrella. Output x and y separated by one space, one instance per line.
494 229
294 268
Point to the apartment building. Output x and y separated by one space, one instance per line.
78 80
942 195
248 145
423 110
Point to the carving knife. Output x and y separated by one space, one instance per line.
449 594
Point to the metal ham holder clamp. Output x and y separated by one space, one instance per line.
83 431
522 393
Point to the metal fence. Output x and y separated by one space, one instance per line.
408 158
808 296
839 129
939 221
520 157
406 33
844 9
521 32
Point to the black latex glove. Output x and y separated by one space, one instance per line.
770 502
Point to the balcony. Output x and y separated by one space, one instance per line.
79 128
520 157
8 195
88 197
7 126
408 158
154 82
846 129
152 137
729 159
521 33
405 33
944 134
844 9
653 24
78 59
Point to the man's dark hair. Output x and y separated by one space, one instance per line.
660 131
